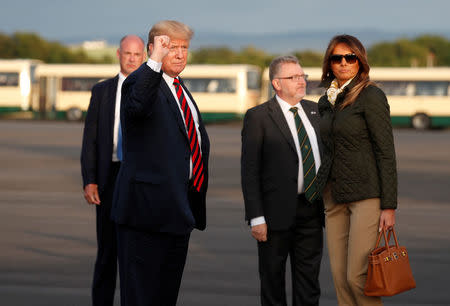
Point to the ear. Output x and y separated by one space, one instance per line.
276 84
150 49
118 53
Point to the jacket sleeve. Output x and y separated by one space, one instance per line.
140 91
377 115
89 147
252 140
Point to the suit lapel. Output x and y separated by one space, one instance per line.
277 116
111 102
173 105
313 117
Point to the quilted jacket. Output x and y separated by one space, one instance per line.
359 156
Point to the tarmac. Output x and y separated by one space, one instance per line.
47 231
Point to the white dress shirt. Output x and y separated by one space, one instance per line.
169 80
117 116
285 108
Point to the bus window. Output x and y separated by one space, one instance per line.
9 79
431 88
253 80
33 74
79 84
395 88
209 85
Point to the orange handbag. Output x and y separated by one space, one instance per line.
389 272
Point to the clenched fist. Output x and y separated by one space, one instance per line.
160 48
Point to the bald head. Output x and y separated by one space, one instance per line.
131 53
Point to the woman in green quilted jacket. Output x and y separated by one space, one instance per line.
358 176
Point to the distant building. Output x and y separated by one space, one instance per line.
94 44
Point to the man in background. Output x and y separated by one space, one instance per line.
100 163
280 159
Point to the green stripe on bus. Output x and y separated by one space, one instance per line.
401 120
213 117
9 109
440 121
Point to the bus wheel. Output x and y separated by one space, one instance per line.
74 114
421 122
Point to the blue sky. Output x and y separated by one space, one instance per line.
59 19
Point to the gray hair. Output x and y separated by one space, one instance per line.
276 63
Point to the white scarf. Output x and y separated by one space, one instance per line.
334 90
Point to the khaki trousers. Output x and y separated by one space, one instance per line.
352 230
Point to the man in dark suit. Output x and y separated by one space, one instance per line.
100 162
280 159
163 178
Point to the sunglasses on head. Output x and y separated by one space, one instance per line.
350 58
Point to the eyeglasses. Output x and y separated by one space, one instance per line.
349 58
296 78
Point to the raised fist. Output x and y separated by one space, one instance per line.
160 48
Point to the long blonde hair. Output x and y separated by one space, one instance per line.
362 78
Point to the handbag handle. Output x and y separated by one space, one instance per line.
387 238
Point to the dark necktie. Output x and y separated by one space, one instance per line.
309 165
196 155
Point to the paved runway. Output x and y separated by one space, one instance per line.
47 232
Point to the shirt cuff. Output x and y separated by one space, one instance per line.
156 67
257 221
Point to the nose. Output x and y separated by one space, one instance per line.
179 53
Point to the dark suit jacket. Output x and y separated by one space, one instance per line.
97 149
153 191
269 164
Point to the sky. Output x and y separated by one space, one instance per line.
97 19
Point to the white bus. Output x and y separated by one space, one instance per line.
17 85
223 91
418 97
65 89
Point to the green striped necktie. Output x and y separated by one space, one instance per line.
309 165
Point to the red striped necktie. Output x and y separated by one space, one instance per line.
196 155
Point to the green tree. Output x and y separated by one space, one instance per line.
31 45
219 55
422 51
309 58
438 48
6 46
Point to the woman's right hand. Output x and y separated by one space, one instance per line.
387 219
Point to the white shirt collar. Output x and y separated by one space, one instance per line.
122 77
285 106
168 79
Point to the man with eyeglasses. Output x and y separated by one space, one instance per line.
279 162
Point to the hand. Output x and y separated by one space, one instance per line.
91 194
160 48
259 232
387 219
